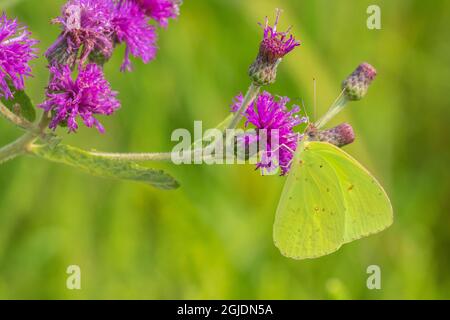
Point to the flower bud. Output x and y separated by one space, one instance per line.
356 85
339 136
273 48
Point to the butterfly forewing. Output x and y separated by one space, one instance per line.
368 209
310 217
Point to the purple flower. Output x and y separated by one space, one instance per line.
272 115
160 10
274 46
16 50
131 27
88 95
87 29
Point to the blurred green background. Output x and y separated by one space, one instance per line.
212 238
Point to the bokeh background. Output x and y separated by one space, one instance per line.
212 238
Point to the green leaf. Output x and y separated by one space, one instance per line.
21 105
107 168
329 199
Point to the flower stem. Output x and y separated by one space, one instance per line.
21 145
148 156
14 119
16 148
137 157
251 94
337 106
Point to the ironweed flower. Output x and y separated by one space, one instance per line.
86 30
90 94
16 51
160 10
271 115
273 48
356 85
131 27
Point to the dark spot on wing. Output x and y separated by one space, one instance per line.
351 188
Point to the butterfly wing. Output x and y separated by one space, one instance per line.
329 199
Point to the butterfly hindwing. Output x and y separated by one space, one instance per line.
329 199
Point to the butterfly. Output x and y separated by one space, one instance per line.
329 199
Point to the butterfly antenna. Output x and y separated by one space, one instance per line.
315 98
306 111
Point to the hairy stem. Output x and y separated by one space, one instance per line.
21 145
16 148
150 156
251 94
14 119
336 107
137 157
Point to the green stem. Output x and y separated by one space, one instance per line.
14 119
338 105
21 145
150 156
251 94
137 157
16 148
161 156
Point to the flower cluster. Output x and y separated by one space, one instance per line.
87 30
160 10
86 96
131 27
274 46
272 116
91 29
16 51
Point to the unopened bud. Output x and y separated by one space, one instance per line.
356 85
339 136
